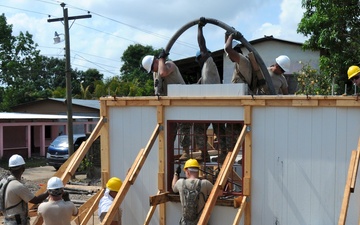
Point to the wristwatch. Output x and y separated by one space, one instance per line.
176 174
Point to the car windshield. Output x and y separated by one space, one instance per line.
61 141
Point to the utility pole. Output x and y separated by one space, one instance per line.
66 19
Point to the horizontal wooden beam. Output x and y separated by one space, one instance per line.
245 100
159 199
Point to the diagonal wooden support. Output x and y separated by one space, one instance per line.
353 179
240 211
87 209
345 202
131 176
222 179
72 163
153 207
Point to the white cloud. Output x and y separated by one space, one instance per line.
116 25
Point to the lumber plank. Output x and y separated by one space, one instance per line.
150 213
159 198
240 212
222 178
88 208
354 175
353 180
72 163
131 176
345 202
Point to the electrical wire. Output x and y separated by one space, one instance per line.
55 2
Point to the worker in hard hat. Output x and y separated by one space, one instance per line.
57 211
243 70
209 75
164 73
277 71
354 74
17 195
191 211
112 188
242 74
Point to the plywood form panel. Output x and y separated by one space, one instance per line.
131 128
204 113
298 184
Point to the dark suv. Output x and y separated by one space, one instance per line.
58 153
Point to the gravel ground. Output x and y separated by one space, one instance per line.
34 185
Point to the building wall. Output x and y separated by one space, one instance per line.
300 162
300 157
131 129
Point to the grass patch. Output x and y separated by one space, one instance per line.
29 163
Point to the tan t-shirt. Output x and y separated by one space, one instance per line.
209 72
279 82
243 71
173 78
15 193
57 212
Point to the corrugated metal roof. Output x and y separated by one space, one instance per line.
82 102
11 115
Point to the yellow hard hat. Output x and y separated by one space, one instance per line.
353 71
114 184
191 163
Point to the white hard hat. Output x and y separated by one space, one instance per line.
284 62
16 160
54 183
147 62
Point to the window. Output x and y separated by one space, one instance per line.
208 142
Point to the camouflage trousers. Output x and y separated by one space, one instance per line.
201 135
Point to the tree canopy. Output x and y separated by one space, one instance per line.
333 27
25 75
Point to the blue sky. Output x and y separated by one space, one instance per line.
99 42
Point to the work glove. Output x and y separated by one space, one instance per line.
202 22
178 170
66 196
163 54
228 33
237 35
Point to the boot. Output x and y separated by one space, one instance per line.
185 155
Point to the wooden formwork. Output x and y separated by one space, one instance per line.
160 104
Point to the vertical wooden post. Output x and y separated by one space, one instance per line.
247 164
104 139
161 173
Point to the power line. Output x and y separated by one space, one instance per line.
139 29
55 2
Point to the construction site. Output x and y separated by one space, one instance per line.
294 160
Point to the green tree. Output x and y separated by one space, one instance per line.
22 73
89 77
132 71
333 27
